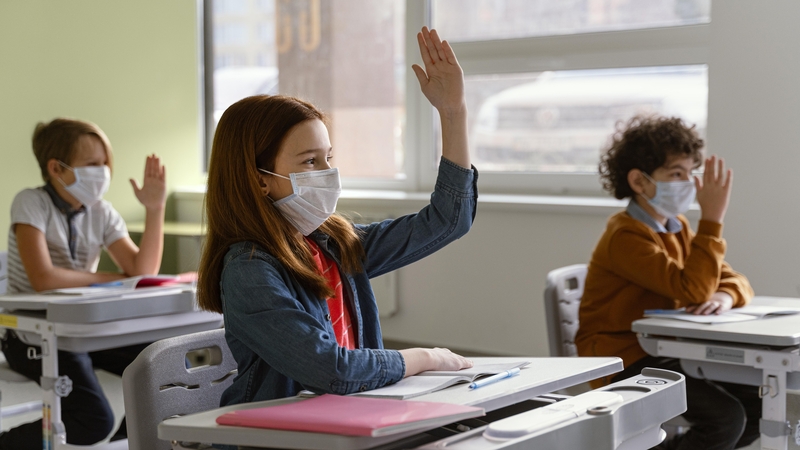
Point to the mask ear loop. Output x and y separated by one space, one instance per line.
652 181
272 173
63 164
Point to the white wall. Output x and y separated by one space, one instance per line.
754 122
484 292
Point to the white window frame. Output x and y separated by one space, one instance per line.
667 46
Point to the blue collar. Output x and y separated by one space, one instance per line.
60 203
637 212
68 211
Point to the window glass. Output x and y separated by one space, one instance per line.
475 20
347 57
561 121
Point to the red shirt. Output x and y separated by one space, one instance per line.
338 309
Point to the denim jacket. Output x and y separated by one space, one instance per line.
280 333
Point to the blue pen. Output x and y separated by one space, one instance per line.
109 284
494 378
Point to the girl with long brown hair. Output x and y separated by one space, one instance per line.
290 277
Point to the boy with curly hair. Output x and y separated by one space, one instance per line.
649 258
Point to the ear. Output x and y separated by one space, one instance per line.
263 182
54 169
637 181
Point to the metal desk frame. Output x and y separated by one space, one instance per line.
762 353
95 322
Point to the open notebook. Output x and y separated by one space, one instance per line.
750 312
432 381
127 283
351 416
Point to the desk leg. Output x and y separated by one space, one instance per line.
774 432
53 433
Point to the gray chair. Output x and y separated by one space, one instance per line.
158 385
562 301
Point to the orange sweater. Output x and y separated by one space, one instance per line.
634 268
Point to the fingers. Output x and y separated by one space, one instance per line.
707 308
449 53
135 185
421 76
432 49
437 45
153 167
716 173
424 52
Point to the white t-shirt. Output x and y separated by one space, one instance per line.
97 227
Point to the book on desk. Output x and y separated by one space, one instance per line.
745 313
130 283
351 416
436 380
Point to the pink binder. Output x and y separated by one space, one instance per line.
352 416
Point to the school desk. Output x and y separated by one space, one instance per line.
96 321
763 352
645 402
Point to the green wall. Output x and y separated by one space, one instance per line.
129 66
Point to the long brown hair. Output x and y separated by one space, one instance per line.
248 137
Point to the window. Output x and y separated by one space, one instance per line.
560 121
474 20
347 57
546 80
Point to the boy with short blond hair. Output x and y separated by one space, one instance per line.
57 233
649 258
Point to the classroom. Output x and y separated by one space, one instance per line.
134 68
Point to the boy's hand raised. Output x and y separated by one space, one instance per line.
714 191
153 193
442 80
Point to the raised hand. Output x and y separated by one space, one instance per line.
153 193
442 80
714 191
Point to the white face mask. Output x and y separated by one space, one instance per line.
313 199
91 183
672 197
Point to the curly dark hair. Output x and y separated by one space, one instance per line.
645 143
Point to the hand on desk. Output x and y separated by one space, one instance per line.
717 304
421 359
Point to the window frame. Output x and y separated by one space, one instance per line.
644 47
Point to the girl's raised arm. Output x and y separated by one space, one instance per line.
442 82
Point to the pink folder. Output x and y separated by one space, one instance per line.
352 416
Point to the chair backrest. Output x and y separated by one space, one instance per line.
562 299
158 385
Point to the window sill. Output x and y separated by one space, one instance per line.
401 201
